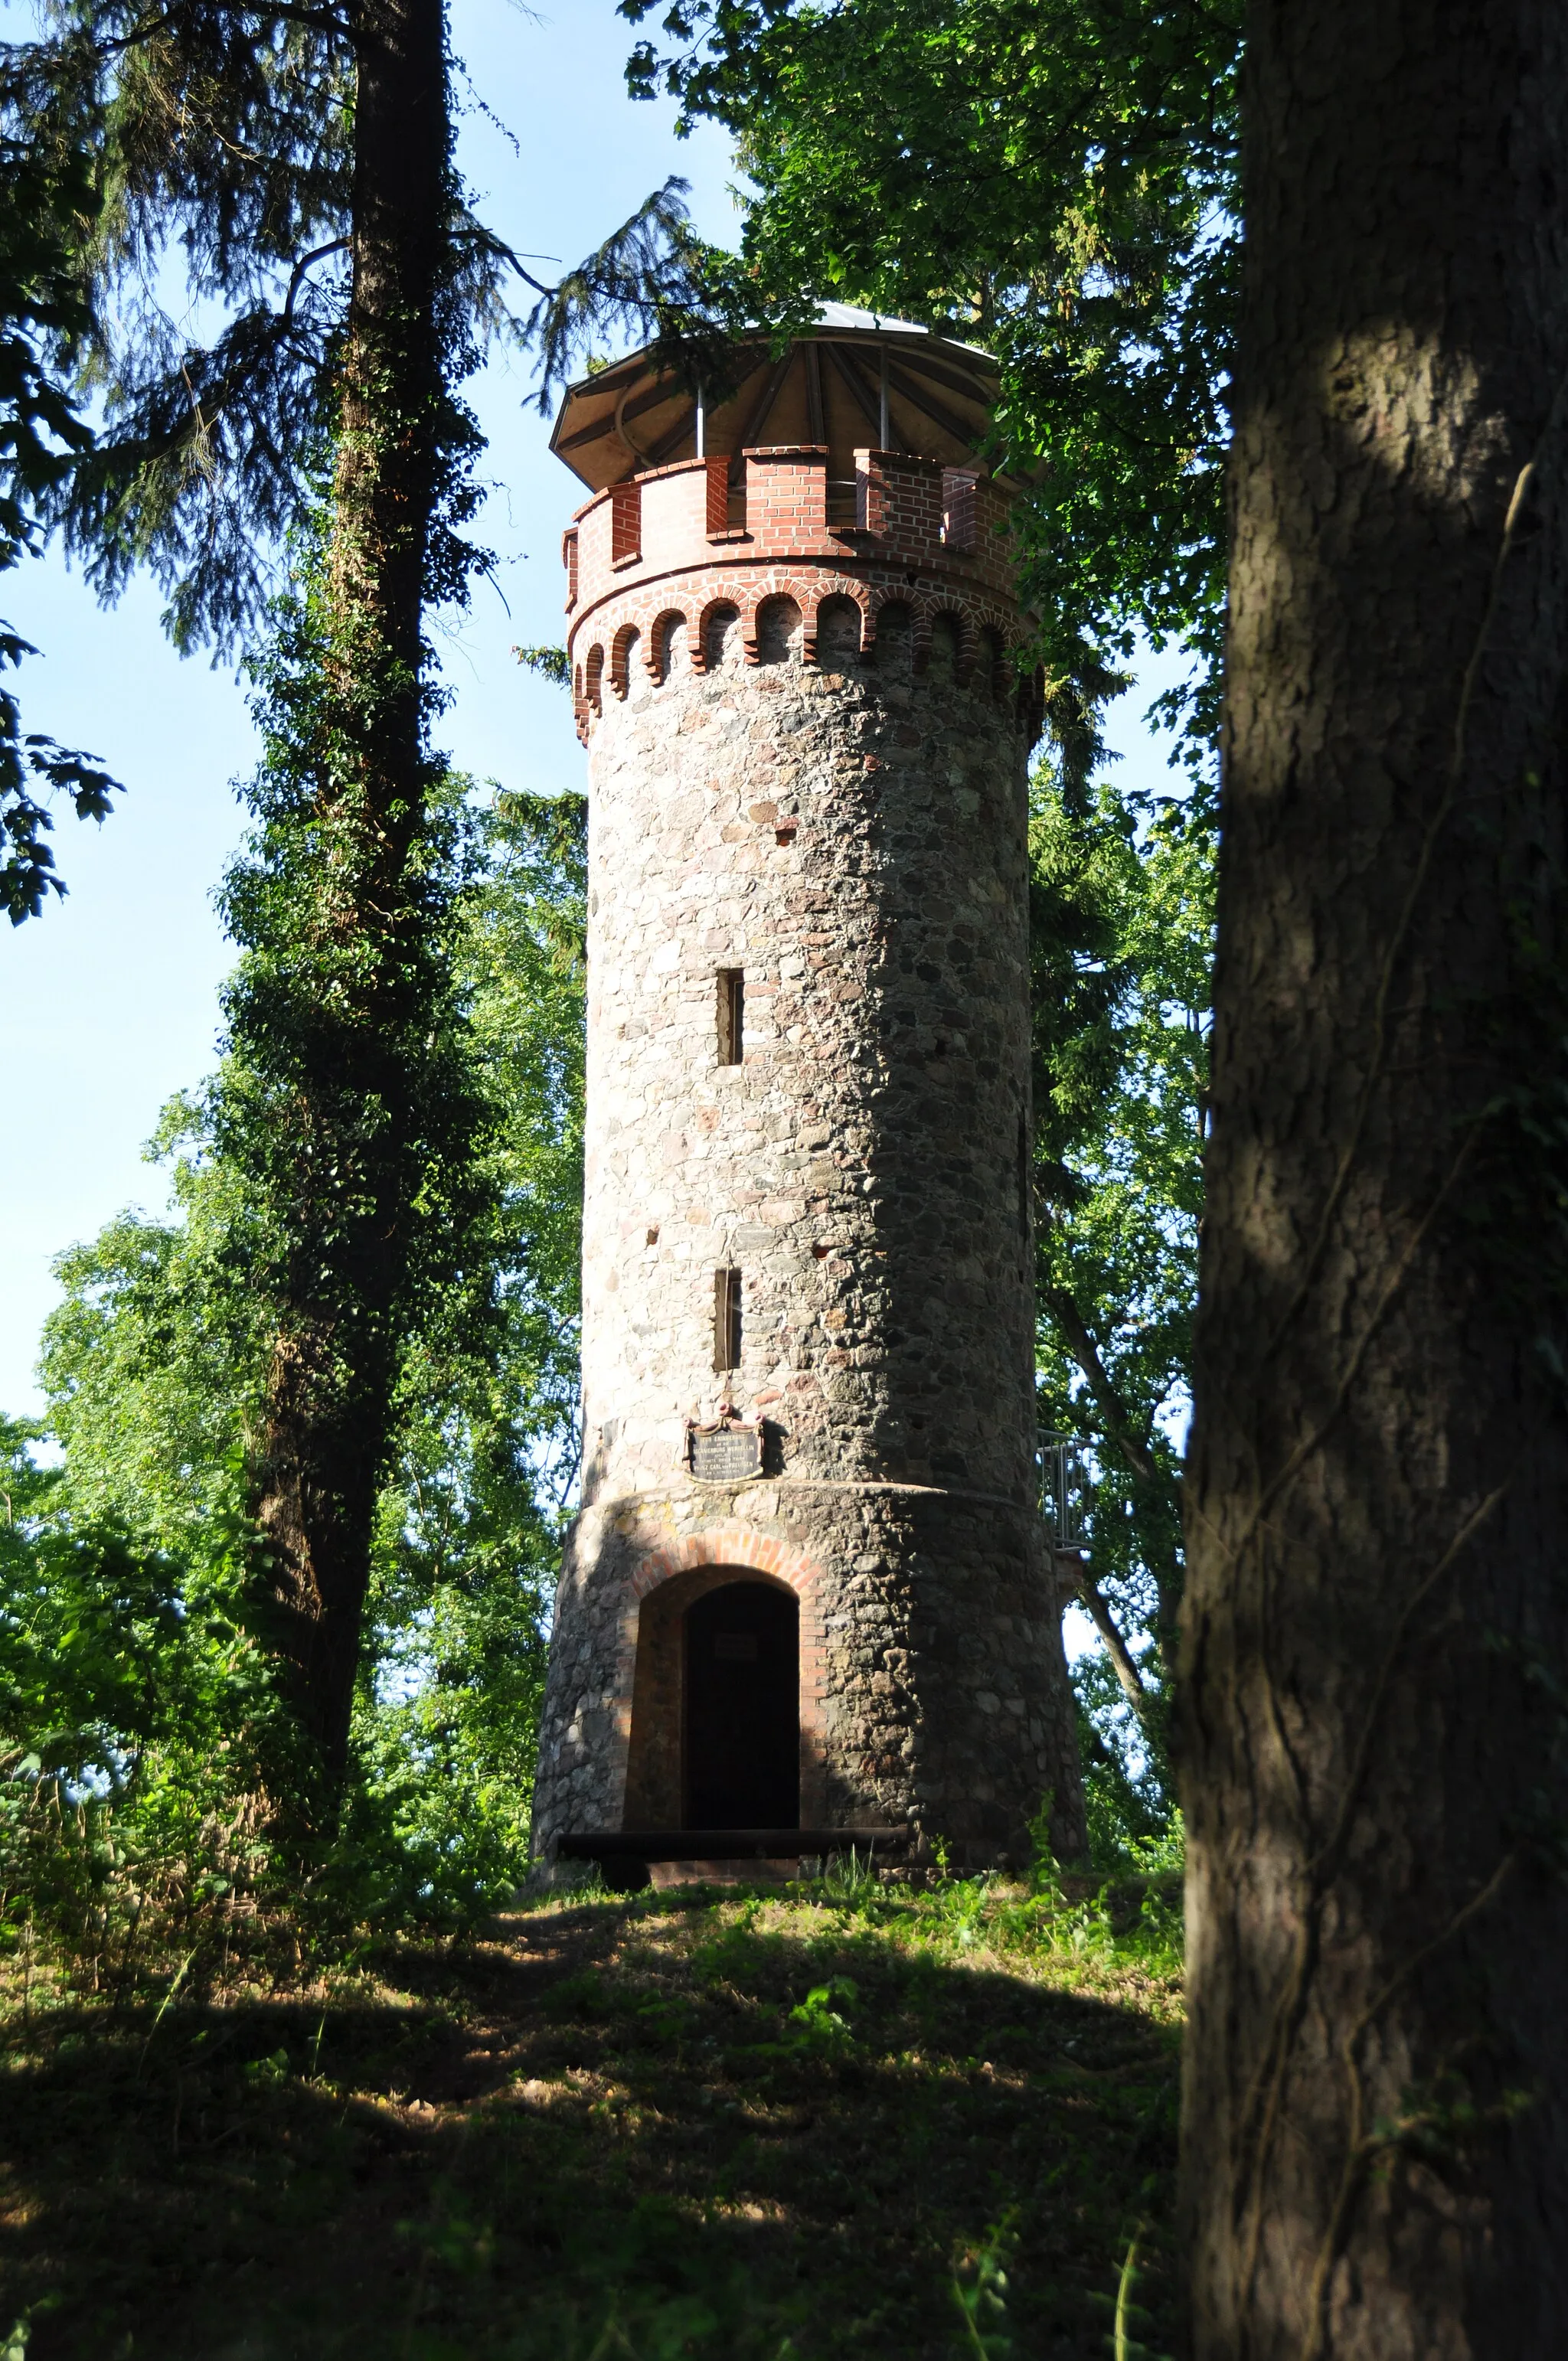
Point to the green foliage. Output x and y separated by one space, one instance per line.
137 1711
224 156
223 160
1123 923
346 1111
1121 928
1128 1795
1127 2310
141 1363
106 1645
818 2020
1051 178
129 1701
847 1876
552 663
979 2290
522 966
469 1526
47 206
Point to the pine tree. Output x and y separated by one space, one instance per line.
47 207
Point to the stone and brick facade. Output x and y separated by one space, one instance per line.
806 753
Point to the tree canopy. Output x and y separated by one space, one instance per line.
221 143
48 205
1055 181
134 1680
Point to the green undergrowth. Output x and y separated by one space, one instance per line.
841 2117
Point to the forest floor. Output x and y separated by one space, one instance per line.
743 2124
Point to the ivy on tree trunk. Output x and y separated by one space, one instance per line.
339 1025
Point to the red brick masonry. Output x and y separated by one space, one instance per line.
653 556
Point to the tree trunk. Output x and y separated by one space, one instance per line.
354 1166
1376 2141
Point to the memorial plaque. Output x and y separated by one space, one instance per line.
728 1455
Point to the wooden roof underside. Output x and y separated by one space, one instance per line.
826 389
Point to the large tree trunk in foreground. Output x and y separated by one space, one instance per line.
365 999
1376 2130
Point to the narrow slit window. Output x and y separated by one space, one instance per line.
717 497
1026 1178
625 523
726 1319
732 1016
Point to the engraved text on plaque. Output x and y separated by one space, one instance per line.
728 1455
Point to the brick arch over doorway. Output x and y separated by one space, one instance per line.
667 1583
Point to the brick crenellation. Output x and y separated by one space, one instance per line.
662 550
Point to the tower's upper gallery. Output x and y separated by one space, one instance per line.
851 382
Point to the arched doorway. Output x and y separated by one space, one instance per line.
742 1736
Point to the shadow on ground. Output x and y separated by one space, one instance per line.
669 2125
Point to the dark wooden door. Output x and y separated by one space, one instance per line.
742 1732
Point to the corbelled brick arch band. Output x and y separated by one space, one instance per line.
734 1551
643 629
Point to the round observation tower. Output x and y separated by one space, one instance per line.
809 1587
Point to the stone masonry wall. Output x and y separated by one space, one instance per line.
854 842
849 833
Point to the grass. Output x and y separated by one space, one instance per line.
841 2119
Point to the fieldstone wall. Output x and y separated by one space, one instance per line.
933 1692
851 836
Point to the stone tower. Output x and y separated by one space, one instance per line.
809 1585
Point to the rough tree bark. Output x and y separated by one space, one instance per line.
327 1406
1376 2136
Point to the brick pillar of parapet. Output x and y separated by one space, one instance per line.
807 754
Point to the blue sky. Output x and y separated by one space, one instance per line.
112 995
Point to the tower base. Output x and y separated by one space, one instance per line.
933 1693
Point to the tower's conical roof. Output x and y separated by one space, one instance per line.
828 386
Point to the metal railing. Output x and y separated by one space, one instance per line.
1067 1490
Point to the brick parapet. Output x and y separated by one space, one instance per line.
947 527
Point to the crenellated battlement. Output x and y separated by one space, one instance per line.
898 510
671 549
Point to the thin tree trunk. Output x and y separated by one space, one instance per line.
1376 2141
1121 1434
1123 1662
1121 1425
327 1410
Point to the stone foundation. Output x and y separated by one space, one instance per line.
932 1691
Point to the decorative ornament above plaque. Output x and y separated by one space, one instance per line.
726 1454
